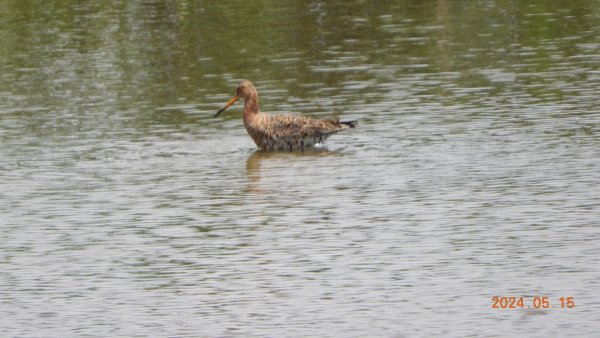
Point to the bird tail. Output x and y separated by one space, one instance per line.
350 124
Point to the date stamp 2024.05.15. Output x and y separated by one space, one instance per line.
541 302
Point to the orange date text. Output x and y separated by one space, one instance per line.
541 302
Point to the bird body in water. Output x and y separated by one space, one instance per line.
282 131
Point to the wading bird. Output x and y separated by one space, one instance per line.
282 131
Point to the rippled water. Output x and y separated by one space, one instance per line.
127 210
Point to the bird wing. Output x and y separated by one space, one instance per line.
301 126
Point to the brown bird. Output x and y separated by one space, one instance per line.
282 132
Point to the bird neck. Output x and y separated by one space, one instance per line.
251 106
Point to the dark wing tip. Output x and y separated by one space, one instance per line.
350 124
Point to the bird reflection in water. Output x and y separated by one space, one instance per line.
259 158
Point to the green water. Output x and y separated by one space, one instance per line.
127 210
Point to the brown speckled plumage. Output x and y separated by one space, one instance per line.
282 132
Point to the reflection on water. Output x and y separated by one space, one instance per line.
127 210
268 163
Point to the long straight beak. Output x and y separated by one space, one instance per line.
229 103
